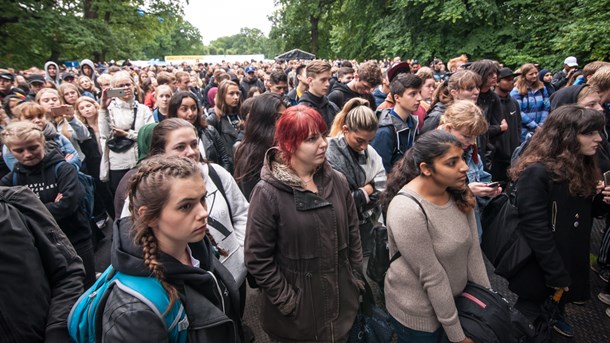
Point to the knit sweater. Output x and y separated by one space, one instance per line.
437 261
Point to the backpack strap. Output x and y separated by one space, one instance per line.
150 292
398 254
216 179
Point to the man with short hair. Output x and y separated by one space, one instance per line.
165 78
295 94
345 74
278 82
318 76
398 125
250 80
366 78
7 79
506 142
561 78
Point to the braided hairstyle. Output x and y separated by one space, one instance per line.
149 190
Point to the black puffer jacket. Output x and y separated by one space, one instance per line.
208 294
42 277
433 117
341 94
46 184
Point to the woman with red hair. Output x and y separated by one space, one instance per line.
302 241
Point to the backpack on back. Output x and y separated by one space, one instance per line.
85 318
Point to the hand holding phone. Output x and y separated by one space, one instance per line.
493 184
115 92
62 110
607 178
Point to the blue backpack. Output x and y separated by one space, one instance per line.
86 203
85 318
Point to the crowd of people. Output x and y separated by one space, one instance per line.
274 174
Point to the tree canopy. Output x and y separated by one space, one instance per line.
512 31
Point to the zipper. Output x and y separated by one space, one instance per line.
332 332
554 215
313 308
222 299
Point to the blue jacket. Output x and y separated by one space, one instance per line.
476 173
535 107
394 137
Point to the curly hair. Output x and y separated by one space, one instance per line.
556 146
149 189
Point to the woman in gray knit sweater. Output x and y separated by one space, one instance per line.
438 255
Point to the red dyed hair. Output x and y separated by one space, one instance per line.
295 125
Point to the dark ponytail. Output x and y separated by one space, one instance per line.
428 147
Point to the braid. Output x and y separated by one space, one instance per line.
148 194
148 241
220 250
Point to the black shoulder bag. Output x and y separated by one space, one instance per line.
122 144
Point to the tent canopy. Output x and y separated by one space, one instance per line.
295 54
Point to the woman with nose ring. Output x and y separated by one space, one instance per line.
431 222
184 105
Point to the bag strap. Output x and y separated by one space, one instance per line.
216 179
397 254
150 291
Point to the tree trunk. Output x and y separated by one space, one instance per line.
314 21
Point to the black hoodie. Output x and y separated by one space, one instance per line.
566 96
47 184
341 94
327 109
208 294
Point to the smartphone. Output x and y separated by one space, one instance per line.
60 111
493 184
115 92
607 178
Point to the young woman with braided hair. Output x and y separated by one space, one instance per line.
165 238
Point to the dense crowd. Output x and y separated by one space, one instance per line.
275 174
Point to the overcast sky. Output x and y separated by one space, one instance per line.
218 18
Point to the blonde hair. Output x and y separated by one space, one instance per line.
93 89
162 87
460 80
63 88
121 75
466 116
80 101
44 91
425 73
21 131
601 79
29 108
356 115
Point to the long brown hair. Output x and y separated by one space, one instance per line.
221 106
149 189
521 83
556 146
461 79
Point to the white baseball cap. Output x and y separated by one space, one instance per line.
571 61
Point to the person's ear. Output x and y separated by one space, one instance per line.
396 97
425 170
142 211
344 129
453 92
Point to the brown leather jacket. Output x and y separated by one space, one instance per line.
304 251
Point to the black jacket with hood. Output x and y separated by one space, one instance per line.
246 84
46 184
42 276
341 94
327 109
208 294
